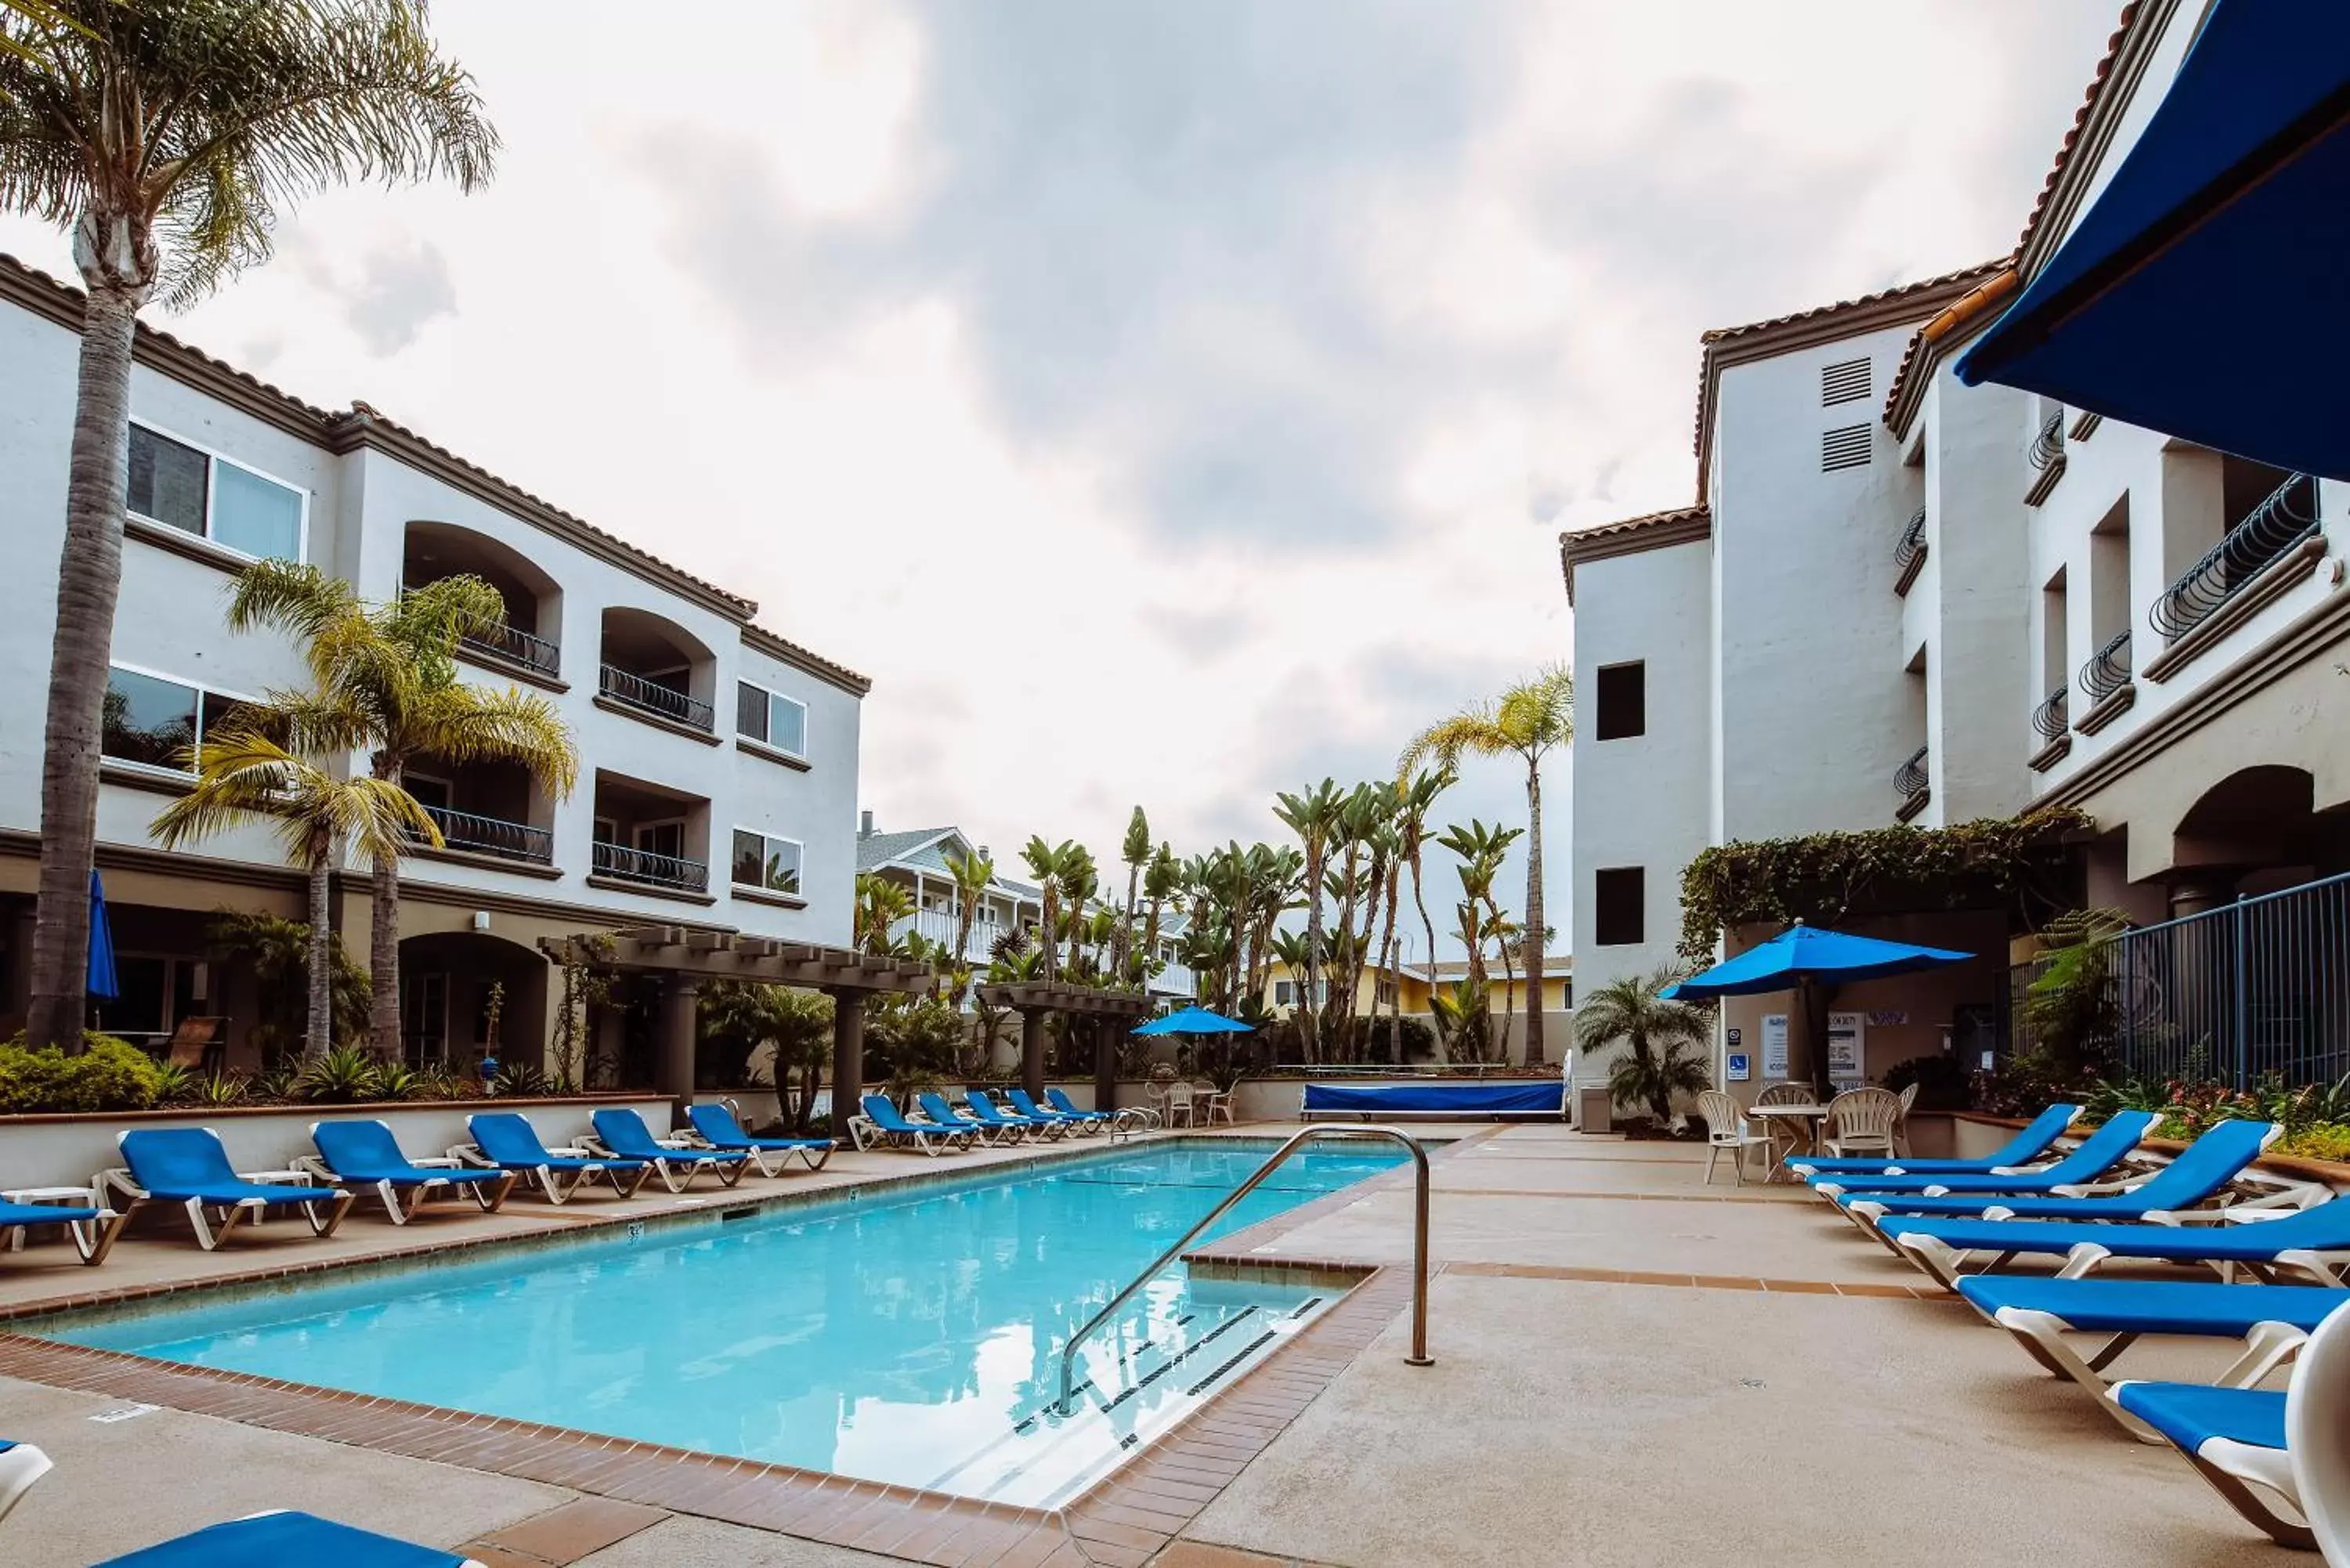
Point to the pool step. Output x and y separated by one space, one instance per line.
1048 1458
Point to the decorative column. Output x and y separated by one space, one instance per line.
674 1074
1106 1060
1032 1051
847 1056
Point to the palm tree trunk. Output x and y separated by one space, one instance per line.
1419 901
318 1033
1535 937
1310 1034
89 579
383 944
1509 985
1388 965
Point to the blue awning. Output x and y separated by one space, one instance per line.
2205 293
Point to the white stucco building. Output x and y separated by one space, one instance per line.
1899 598
718 760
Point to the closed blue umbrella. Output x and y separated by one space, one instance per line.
1196 1021
101 982
2202 294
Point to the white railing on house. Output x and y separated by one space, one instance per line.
939 926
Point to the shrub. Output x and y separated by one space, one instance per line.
339 1077
1942 1083
2328 1140
110 1075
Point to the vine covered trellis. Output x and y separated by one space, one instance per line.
1824 877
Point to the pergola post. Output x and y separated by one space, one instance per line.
1032 1051
674 1076
1105 1031
847 1056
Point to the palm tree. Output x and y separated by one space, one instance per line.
387 684
1160 881
1136 852
1045 863
1077 886
169 135
1654 1029
1312 815
243 775
1416 797
973 874
879 905
1528 720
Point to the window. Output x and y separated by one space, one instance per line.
771 719
1621 700
1284 993
663 838
151 719
762 861
1620 893
1385 993
175 484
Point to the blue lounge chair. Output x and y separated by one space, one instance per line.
717 1127
934 1105
2200 1172
506 1140
364 1154
2311 1241
884 1124
2034 1142
2235 1439
1029 1107
189 1166
21 1465
2096 1155
2271 1322
287 1540
91 1227
1059 1098
621 1134
984 1107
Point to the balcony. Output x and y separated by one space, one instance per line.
434 551
1910 555
2105 682
1913 784
2049 722
511 644
468 833
2047 459
2253 563
938 926
622 864
647 695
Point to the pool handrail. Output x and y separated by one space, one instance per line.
1338 1130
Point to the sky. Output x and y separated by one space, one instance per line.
1162 403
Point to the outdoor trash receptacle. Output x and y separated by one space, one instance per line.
1593 1110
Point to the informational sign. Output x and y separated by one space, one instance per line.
1737 1036
1775 1046
1892 1018
1847 1042
1739 1068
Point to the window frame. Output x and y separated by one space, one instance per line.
213 458
158 770
760 742
1599 907
799 868
1600 707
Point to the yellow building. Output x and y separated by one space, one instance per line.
1376 990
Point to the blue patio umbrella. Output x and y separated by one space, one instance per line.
2203 293
101 982
1196 1021
1802 959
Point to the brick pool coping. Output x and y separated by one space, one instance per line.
1123 1520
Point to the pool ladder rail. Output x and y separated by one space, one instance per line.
1328 1132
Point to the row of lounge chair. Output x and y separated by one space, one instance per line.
189 1168
2101 1203
941 1128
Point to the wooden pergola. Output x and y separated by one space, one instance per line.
685 957
1033 999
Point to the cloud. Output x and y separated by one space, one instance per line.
395 286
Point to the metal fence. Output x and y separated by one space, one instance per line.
2255 987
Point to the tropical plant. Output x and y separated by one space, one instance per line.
2072 1006
1529 721
243 775
218 1089
973 874
1160 881
1462 1011
107 1074
174 1081
880 905
1134 851
343 1075
169 136
1656 1032
1077 878
740 1017
1048 863
1482 847
279 951
387 683
1314 817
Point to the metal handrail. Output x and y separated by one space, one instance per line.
492 834
1911 550
632 864
2049 717
524 647
2286 517
633 691
2109 670
2050 444
1910 778
1419 1357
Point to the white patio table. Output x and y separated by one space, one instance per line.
1801 1122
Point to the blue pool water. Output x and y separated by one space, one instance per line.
914 1340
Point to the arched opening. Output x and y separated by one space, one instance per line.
2253 832
431 552
652 665
465 995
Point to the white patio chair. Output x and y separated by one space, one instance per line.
1726 1127
1211 1104
1901 1123
1861 1121
1787 1134
1179 1104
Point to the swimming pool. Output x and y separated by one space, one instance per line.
912 1337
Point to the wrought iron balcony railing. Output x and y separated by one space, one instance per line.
2049 718
2276 527
2049 445
492 835
521 647
1910 553
2109 670
1909 780
626 864
636 692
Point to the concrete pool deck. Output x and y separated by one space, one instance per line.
1630 1367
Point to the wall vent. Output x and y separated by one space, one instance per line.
1845 381
1848 446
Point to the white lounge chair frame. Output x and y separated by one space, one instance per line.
20 1466
93 1238
400 1211
2268 1346
558 1187
250 1210
2247 1476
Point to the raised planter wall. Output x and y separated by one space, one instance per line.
67 1151
1978 1135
